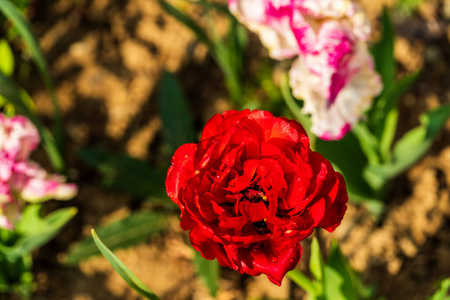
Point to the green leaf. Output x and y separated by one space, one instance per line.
23 26
414 144
388 134
340 281
126 174
383 52
220 7
35 231
316 263
304 282
131 279
132 230
368 142
13 95
388 102
175 114
443 293
398 89
6 58
346 155
208 271
188 22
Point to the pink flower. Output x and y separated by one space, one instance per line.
20 179
331 38
34 184
332 122
18 137
270 19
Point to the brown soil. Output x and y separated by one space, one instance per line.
107 56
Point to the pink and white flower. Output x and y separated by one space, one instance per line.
22 180
332 122
270 19
18 137
330 40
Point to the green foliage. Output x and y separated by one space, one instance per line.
16 276
131 279
413 145
383 52
31 232
126 174
209 272
174 111
6 58
443 293
333 280
16 17
132 230
340 281
407 7
13 95
227 52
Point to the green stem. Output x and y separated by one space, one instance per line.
368 143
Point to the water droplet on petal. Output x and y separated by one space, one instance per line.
274 260
291 260
256 249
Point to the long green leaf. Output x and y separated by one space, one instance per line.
388 102
220 7
340 281
398 89
368 142
12 94
208 271
443 293
132 230
35 231
6 58
23 26
175 114
126 174
388 134
383 52
316 262
188 22
131 279
413 145
302 281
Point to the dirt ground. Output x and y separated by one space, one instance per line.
107 56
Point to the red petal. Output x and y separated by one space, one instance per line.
180 171
269 261
336 205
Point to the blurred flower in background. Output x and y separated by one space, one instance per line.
21 179
271 20
333 73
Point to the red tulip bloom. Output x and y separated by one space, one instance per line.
251 190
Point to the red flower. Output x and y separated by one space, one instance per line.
252 189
